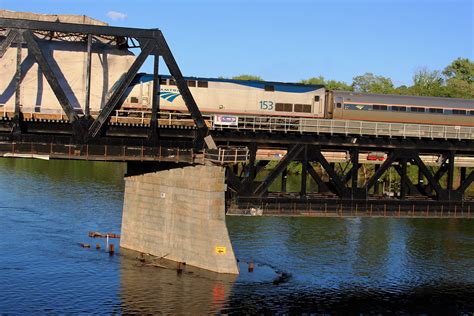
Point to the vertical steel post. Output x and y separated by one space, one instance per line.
88 76
449 185
377 184
420 177
283 179
355 171
155 108
403 185
304 171
463 175
16 118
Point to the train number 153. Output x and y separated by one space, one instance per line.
266 105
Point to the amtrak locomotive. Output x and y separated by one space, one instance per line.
259 98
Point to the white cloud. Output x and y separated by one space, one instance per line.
116 16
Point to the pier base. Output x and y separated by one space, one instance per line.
179 214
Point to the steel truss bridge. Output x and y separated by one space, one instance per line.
145 138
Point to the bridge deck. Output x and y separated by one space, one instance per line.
279 124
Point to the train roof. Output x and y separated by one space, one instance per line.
279 86
405 99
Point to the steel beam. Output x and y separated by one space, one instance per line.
284 175
431 180
155 108
462 175
334 179
53 81
304 171
11 35
16 118
377 184
355 169
322 187
119 91
412 189
62 27
88 75
282 164
234 181
381 170
249 170
450 180
202 129
466 183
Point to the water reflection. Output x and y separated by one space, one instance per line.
152 290
327 265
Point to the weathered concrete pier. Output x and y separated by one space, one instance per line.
179 214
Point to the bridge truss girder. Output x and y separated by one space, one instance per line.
345 183
84 128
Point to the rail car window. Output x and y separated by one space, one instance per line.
269 87
415 109
191 83
435 110
399 108
472 113
163 81
133 100
304 108
379 107
316 98
172 82
459 112
339 105
203 84
284 107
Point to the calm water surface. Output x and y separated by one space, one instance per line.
317 265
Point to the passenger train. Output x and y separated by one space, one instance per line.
260 98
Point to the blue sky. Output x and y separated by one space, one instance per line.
293 40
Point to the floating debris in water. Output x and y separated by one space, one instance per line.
103 235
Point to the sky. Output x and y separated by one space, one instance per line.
292 40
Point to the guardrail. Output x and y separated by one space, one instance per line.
279 124
227 155
345 127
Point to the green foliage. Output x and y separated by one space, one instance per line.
428 83
455 81
461 69
330 84
460 79
248 77
371 83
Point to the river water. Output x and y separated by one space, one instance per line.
302 265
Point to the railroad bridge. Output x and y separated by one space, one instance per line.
186 169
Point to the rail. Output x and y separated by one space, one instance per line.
279 124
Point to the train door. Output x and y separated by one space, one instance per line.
338 107
318 103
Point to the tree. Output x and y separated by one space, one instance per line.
461 69
248 77
428 83
460 79
371 83
330 84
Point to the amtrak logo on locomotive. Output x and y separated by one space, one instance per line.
169 94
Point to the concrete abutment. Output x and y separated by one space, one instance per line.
179 214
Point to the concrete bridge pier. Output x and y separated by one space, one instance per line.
178 214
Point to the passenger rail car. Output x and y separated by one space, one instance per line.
259 98
401 108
